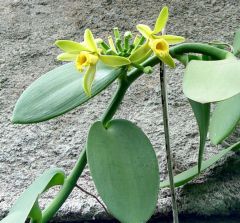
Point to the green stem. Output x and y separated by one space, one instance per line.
200 48
66 189
179 52
117 99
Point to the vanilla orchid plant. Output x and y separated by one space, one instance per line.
121 158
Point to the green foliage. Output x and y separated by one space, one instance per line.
27 204
236 43
188 175
124 168
224 119
122 160
211 81
202 114
58 92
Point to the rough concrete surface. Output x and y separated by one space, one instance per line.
28 29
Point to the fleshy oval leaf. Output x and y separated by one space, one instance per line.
211 81
124 168
27 204
224 119
58 92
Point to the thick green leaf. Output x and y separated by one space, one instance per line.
191 173
236 43
210 81
202 114
224 119
27 204
124 168
58 92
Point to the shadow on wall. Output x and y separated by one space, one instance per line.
189 219
217 193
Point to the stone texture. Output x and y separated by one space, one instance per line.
28 30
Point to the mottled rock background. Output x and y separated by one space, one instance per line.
28 29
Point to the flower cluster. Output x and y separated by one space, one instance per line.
118 52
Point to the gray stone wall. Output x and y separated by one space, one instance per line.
28 29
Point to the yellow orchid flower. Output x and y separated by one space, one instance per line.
86 55
159 44
85 59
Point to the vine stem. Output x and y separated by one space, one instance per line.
66 189
167 140
124 83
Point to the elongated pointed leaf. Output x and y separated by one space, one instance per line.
191 173
202 114
124 168
58 92
236 43
27 204
224 119
210 81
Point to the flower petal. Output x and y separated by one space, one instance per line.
88 79
144 30
89 39
136 40
139 53
142 59
114 61
67 57
161 20
70 46
111 44
172 39
167 59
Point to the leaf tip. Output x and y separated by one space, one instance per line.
57 43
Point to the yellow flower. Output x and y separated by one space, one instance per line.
160 44
85 59
86 55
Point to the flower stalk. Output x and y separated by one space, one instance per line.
167 138
167 141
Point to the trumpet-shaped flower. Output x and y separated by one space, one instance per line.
86 56
159 44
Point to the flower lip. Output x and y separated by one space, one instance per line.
82 59
160 46
85 59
